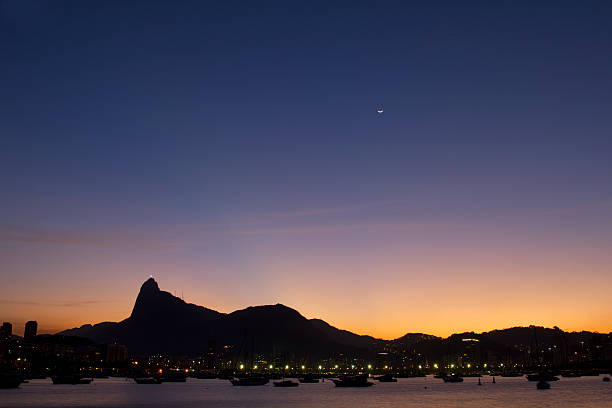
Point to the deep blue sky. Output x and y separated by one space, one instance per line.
198 120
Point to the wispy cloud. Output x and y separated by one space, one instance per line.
72 303
112 237
168 237
330 210
553 211
324 228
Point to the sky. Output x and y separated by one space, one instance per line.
233 151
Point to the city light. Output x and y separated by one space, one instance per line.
271 366
303 367
369 366
242 366
255 367
320 367
435 365
286 367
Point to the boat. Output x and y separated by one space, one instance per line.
70 379
286 383
606 379
174 377
386 378
309 379
542 385
10 380
452 378
439 375
543 376
249 381
147 380
411 375
353 381
205 376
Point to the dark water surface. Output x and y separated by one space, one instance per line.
407 393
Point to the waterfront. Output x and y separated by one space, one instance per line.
584 392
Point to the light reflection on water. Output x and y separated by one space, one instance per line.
407 393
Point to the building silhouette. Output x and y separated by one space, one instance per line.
6 331
211 355
116 353
30 330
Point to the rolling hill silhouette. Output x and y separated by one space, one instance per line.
161 322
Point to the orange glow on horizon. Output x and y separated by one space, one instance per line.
401 285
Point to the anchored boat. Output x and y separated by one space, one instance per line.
249 381
353 381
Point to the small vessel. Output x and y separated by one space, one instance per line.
249 381
206 376
543 376
309 379
386 378
37 377
70 379
569 374
174 377
286 383
453 378
440 375
542 385
353 381
147 380
511 375
606 379
10 380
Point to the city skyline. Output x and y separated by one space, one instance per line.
238 155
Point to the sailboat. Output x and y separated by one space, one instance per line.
353 381
247 380
286 383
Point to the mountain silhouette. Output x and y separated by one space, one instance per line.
161 322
